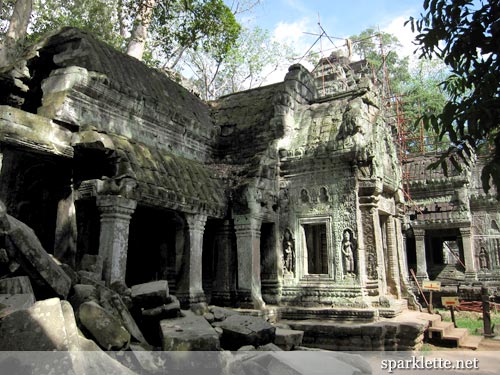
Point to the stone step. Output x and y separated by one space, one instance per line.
451 338
439 329
471 342
430 318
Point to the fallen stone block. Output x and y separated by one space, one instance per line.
114 304
72 274
149 295
221 313
191 332
209 317
90 263
38 328
23 244
200 308
103 326
269 348
171 310
90 278
10 303
83 293
288 339
16 285
247 348
241 330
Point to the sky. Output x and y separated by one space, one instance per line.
289 21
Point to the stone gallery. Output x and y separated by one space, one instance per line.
288 195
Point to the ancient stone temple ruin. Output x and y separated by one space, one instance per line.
280 195
287 195
453 234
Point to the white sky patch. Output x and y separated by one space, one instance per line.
403 33
293 35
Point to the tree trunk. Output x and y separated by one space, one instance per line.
139 35
16 33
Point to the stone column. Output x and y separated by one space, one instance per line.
116 212
190 288
225 283
66 229
374 271
248 253
420 252
367 252
467 245
402 258
393 276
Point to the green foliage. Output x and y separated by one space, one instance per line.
5 13
422 94
99 17
377 46
177 25
246 65
207 25
464 34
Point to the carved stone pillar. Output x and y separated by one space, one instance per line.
116 212
224 292
190 287
248 253
65 238
467 245
370 247
420 252
393 276
402 259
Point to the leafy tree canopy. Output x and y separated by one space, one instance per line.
465 35
175 25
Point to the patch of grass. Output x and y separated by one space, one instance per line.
471 320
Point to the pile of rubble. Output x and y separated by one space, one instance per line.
48 306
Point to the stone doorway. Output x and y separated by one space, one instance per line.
316 248
31 186
152 246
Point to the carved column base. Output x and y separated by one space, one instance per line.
247 300
188 299
224 298
271 291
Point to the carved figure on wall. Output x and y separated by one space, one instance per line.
483 259
348 248
288 253
323 195
304 196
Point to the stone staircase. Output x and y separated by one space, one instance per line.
445 334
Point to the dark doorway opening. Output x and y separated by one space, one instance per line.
317 254
151 248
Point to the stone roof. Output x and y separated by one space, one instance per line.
244 120
417 169
165 179
74 47
158 178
